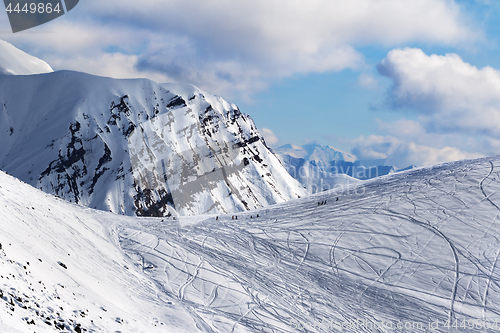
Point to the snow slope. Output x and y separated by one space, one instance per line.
60 271
414 248
136 147
16 62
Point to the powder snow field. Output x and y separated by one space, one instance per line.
407 249
60 271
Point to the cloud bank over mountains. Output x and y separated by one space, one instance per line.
238 47
456 107
448 94
447 108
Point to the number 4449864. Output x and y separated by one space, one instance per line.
33 8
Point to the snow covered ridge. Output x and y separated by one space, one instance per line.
319 168
313 152
16 62
415 251
312 177
135 147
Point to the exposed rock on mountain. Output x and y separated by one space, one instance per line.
136 147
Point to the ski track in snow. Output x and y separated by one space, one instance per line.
418 246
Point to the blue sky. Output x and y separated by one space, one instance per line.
341 108
414 81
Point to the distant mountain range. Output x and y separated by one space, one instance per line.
313 152
320 168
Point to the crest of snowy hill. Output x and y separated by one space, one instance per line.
136 147
415 251
16 62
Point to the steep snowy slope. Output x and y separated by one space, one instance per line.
60 272
412 252
16 62
136 147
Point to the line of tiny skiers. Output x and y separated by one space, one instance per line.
235 217
324 202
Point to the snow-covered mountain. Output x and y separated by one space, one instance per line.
317 167
313 178
313 152
136 147
16 62
415 251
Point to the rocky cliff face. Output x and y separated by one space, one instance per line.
135 147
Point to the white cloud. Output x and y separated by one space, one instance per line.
227 47
367 81
403 129
405 153
457 107
450 95
241 46
407 142
269 136
114 65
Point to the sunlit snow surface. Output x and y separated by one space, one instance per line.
413 247
16 62
135 147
